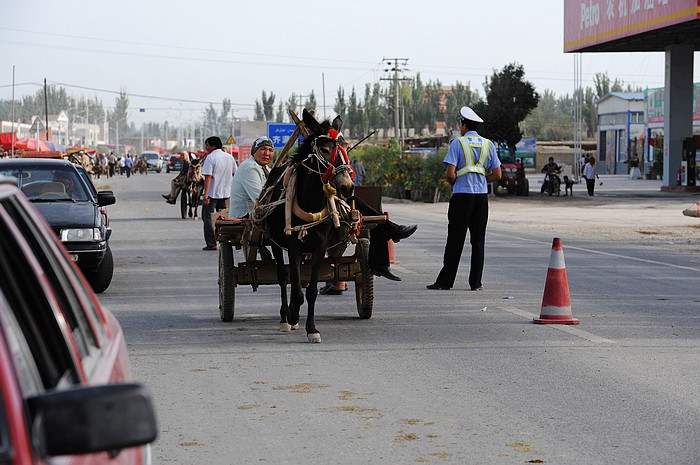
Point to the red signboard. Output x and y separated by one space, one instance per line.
244 153
593 22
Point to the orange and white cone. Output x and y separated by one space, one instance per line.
390 246
556 302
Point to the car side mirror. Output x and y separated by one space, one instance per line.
90 419
105 198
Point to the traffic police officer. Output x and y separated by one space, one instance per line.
472 163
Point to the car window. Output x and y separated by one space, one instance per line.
67 283
86 179
49 184
6 451
27 373
33 303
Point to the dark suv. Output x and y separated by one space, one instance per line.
174 163
65 196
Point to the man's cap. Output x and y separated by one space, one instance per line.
469 114
261 142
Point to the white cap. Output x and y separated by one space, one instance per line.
468 113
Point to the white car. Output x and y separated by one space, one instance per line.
155 162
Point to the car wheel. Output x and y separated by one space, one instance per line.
102 276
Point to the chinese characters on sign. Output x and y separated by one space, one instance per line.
591 22
280 133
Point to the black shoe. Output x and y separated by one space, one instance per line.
436 286
385 273
402 232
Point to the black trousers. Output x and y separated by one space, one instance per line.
590 185
214 205
466 212
378 237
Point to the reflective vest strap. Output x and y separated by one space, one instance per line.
474 166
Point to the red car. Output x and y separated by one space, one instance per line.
65 390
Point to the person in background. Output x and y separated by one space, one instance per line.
359 170
550 169
178 182
472 163
112 161
218 174
408 187
590 175
128 165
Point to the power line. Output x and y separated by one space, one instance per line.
324 59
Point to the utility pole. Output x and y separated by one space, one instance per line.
397 63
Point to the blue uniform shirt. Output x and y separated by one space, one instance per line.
470 183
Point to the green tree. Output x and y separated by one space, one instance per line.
224 126
589 112
354 122
310 103
509 99
433 97
340 106
374 116
210 118
268 104
292 103
279 117
259 113
119 116
459 96
603 86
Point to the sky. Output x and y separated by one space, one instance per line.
175 57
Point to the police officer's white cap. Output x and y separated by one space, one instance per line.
469 114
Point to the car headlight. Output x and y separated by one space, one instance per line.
81 235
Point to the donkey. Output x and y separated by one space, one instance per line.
316 172
194 186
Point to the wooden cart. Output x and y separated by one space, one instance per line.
238 234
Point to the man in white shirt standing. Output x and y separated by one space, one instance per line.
218 173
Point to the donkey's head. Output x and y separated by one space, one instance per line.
326 143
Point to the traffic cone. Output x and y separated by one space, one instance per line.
390 245
556 302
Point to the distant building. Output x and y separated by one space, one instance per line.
629 123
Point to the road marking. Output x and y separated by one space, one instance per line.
643 260
571 329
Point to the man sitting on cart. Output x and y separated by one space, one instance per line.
178 182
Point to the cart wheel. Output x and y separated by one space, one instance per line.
183 204
364 281
227 281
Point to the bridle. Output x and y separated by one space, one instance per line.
328 170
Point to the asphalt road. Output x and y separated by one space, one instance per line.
455 376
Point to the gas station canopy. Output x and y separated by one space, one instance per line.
630 25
